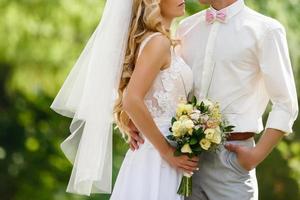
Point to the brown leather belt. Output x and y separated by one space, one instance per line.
240 136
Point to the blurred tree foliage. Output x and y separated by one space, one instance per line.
39 43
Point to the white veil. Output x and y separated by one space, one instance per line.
88 96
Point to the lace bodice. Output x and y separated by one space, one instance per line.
170 86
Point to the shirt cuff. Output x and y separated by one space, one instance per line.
280 120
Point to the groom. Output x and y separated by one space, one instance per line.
240 59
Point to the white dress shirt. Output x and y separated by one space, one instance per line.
242 63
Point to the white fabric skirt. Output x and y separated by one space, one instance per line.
144 175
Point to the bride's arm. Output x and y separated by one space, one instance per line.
154 57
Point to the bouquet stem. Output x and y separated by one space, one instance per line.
185 187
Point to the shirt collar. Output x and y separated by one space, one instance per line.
233 9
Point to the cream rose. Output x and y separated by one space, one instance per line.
217 138
188 108
205 143
176 128
210 135
183 117
186 149
180 108
188 124
209 131
184 109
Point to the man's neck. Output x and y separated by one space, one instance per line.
220 4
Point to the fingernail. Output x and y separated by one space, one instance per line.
197 169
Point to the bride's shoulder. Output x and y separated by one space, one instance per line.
155 42
155 51
156 37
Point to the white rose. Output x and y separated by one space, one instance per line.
209 131
217 138
195 115
183 118
205 143
186 149
188 124
177 134
210 135
176 128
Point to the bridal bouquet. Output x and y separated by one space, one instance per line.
197 127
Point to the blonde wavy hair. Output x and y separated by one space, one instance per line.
146 19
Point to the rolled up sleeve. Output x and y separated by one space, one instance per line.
279 80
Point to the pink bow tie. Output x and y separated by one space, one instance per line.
212 16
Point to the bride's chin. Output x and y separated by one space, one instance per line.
181 12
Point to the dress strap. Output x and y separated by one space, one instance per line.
146 40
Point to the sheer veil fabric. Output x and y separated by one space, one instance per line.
87 96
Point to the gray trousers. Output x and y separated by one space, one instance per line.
221 177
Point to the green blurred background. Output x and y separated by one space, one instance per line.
39 42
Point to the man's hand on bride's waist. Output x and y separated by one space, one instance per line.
135 139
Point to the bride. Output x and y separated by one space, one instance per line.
129 59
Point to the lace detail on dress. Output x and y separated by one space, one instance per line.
166 95
168 76
168 88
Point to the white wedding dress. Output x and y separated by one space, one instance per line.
144 175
